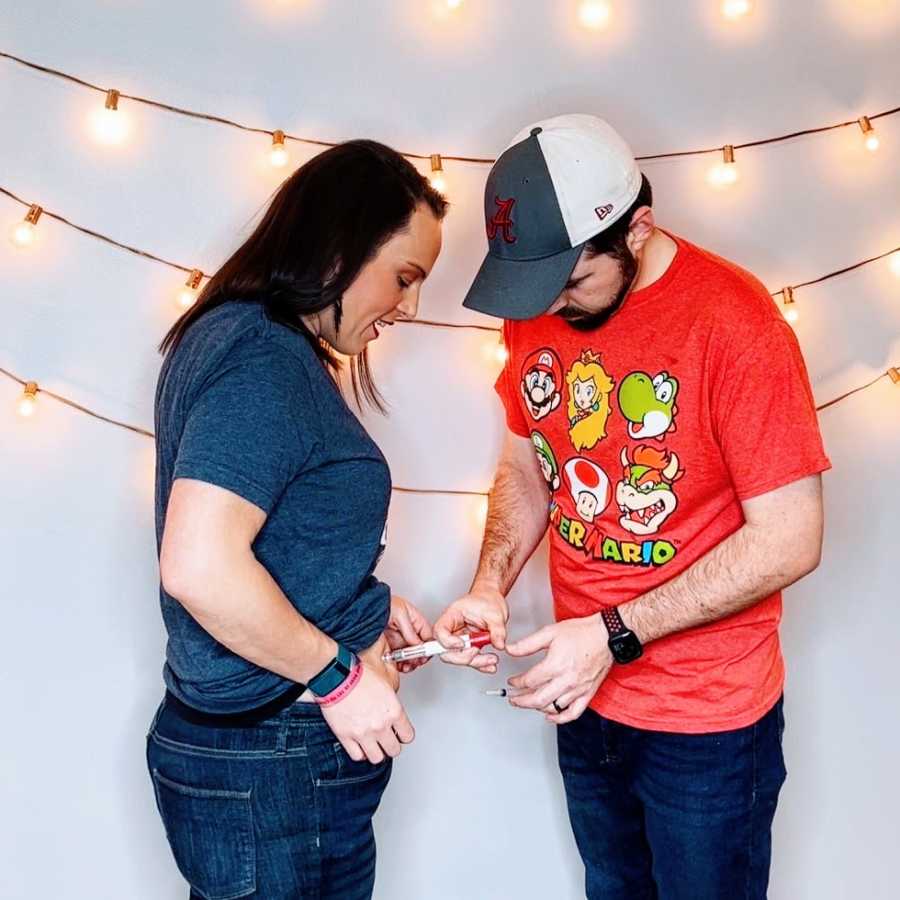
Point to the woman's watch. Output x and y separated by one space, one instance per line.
623 642
334 674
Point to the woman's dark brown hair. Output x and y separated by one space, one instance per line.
323 225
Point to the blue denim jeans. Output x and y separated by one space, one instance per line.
662 816
272 810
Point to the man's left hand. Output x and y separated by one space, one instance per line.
577 661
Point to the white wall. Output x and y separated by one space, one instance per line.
478 794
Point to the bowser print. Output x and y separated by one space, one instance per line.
645 494
541 382
588 400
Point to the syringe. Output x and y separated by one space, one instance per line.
436 648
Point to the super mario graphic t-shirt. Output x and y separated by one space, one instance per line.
650 431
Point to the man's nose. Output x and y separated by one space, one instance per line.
557 304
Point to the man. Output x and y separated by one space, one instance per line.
684 508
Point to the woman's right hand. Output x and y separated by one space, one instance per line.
370 722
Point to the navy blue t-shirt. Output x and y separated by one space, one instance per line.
244 403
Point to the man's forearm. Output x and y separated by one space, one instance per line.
518 510
747 566
243 608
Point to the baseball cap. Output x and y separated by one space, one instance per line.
558 183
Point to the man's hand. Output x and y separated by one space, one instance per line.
407 627
370 721
578 659
482 609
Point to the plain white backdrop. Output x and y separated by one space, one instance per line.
475 808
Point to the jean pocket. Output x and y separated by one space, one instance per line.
344 770
211 836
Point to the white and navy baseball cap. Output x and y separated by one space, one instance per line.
559 183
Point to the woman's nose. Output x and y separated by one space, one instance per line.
409 305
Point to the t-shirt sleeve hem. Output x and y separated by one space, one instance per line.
777 481
227 478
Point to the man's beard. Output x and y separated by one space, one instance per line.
583 321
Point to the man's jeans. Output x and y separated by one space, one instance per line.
273 811
662 816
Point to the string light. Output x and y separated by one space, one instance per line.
894 374
594 13
894 263
726 172
187 296
454 4
791 312
22 233
870 138
736 9
110 125
437 179
495 351
278 155
28 401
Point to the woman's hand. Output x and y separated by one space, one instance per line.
370 722
407 627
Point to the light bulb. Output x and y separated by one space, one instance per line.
870 138
791 311
22 234
436 178
894 263
187 296
278 155
28 401
454 4
594 13
109 125
726 172
736 9
480 512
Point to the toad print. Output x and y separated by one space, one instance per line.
541 383
589 487
644 495
588 400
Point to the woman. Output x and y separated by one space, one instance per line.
274 742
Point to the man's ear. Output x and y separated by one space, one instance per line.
641 228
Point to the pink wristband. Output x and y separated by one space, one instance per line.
344 687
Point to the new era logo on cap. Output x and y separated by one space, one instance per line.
557 184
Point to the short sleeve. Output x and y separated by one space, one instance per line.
765 417
249 428
507 390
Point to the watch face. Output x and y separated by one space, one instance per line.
626 647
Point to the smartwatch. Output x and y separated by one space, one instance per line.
334 674
623 642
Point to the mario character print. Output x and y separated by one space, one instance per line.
648 404
645 495
588 400
546 460
541 382
589 487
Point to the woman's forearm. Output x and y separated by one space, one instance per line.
239 603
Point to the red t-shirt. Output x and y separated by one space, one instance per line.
650 431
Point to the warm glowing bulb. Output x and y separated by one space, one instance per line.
278 155
594 13
22 234
870 138
791 311
437 178
187 296
726 172
109 125
480 513
454 4
872 142
28 401
736 9
894 263
792 314
501 354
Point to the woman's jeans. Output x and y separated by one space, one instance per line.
271 810
673 816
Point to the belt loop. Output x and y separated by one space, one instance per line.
281 735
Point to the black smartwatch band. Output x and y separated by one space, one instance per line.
623 642
334 674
